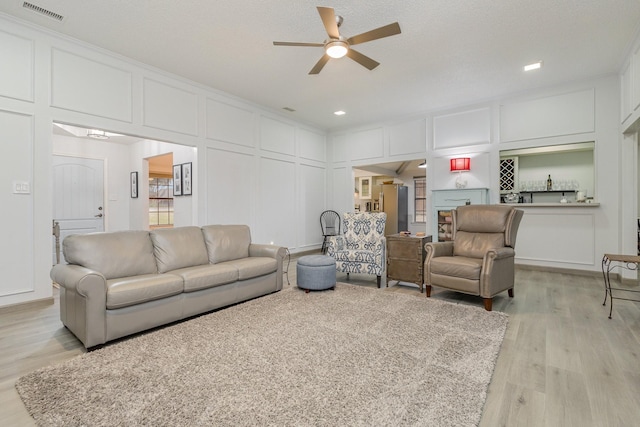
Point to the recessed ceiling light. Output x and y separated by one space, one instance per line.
534 66
339 113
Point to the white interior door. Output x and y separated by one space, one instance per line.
78 196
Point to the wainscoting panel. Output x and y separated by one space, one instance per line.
84 85
366 144
563 238
169 108
312 184
230 187
311 145
341 193
16 75
408 138
339 146
228 123
276 205
557 115
16 147
463 128
277 136
635 80
626 92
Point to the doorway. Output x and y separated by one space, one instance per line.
408 173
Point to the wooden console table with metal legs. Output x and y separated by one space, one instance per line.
610 262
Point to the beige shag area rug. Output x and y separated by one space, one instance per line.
354 356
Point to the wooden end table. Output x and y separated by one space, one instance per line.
405 258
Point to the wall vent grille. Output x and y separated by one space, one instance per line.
42 11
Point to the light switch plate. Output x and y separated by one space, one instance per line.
21 187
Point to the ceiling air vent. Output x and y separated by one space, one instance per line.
42 11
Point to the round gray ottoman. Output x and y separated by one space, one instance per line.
316 272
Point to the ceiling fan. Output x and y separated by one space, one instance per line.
337 46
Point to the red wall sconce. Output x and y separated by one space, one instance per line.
461 164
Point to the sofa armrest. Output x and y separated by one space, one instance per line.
271 251
498 271
436 249
83 302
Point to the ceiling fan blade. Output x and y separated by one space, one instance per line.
320 64
329 20
378 33
297 44
361 59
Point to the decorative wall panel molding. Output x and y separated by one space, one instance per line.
635 80
366 144
17 136
277 136
408 138
472 127
229 174
16 75
311 145
571 242
313 182
270 226
169 108
91 87
556 115
228 123
339 146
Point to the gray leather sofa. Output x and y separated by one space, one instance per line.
116 284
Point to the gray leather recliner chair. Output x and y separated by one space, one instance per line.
480 258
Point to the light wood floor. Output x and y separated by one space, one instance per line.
562 363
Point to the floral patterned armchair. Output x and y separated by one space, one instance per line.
362 247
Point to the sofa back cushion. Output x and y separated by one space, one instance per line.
178 248
226 242
115 255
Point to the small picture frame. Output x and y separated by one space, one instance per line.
177 180
186 179
134 185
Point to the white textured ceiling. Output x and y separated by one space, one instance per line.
450 52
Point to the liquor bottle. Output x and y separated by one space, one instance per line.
549 184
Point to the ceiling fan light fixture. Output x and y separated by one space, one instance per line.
336 49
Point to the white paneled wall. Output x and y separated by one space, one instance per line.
90 86
16 75
462 128
575 112
277 136
249 163
16 147
275 203
549 116
170 108
230 123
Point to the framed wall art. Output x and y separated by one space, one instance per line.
134 185
187 186
177 180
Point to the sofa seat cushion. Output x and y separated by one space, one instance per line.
457 266
251 267
206 276
134 290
